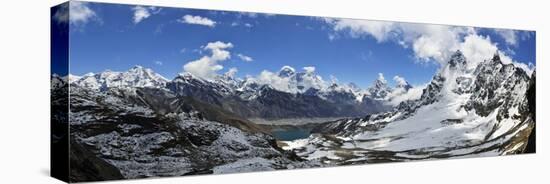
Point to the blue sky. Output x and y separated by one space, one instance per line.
117 37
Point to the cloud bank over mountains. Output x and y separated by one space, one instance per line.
429 42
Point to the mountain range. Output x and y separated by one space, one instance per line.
137 124
302 95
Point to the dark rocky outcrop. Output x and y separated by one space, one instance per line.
531 98
86 166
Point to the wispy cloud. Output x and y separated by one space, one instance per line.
235 24
158 63
509 36
197 20
399 80
231 72
254 15
309 69
141 13
245 57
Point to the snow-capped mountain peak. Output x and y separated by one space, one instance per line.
229 79
137 76
380 88
457 59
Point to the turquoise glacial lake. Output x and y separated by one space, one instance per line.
290 135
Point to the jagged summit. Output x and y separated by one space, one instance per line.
380 88
457 58
496 56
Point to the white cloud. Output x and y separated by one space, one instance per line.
249 14
141 13
333 79
198 20
272 79
289 68
509 36
158 63
429 42
218 50
380 30
245 57
478 48
235 24
309 69
231 72
399 95
254 15
79 12
433 42
207 66
399 80
381 78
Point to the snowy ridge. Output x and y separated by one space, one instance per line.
135 77
287 80
465 111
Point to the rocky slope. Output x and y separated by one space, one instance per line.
144 132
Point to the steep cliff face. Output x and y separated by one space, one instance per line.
531 98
